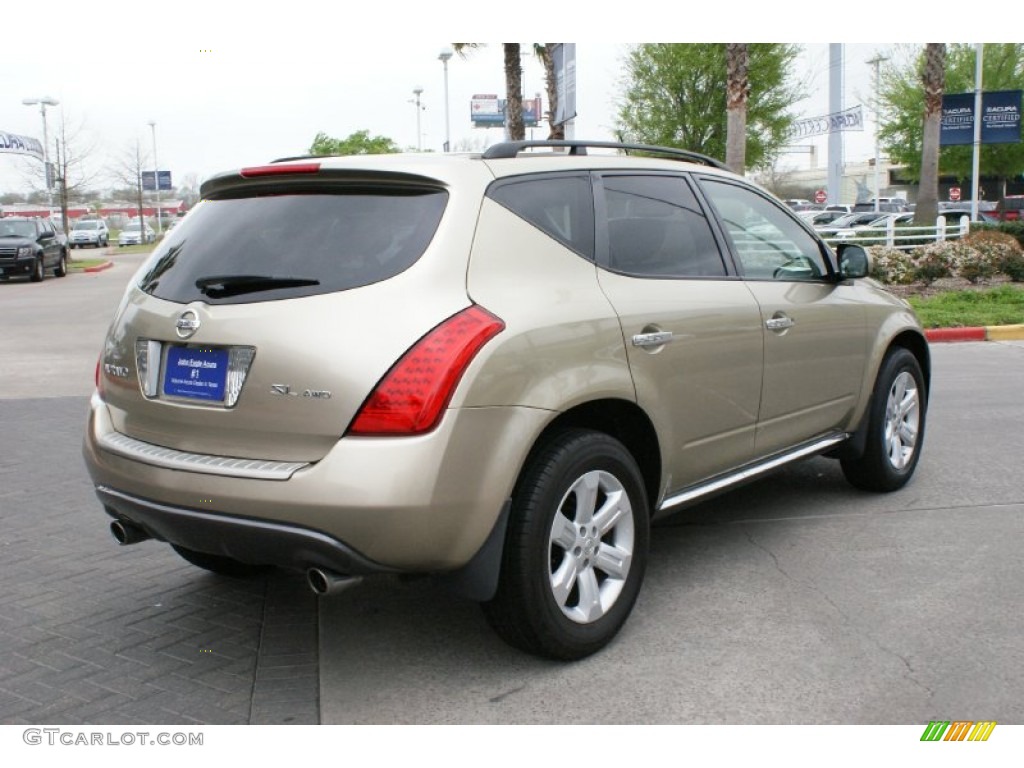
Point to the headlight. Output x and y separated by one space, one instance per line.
25 250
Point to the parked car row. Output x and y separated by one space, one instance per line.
31 246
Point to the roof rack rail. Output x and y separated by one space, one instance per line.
510 149
297 157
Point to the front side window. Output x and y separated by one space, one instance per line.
768 242
656 228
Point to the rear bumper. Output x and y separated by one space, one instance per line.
244 539
425 504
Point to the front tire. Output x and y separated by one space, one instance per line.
576 548
223 566
896 421
38 271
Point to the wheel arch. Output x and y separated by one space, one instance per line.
621 419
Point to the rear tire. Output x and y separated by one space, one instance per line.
576 548
223 566
896 423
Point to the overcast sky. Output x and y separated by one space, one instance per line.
233 88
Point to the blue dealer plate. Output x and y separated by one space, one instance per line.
198 374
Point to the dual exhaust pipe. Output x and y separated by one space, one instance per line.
320 580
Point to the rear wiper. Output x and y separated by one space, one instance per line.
222 286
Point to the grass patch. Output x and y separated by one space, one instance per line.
86 263
119 250
959 309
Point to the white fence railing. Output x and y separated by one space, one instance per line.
907 237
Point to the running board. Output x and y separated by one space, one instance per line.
751 471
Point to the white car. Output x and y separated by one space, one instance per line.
92 232
133 234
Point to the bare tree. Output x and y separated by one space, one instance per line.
127 169
933 77
737 90
73 148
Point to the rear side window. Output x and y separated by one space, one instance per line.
282 246
560 206
656 228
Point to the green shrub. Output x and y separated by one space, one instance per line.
938 260
1012 265
891 265
1014 229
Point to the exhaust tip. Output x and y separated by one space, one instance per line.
125 533
327 582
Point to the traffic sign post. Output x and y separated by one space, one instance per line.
820 196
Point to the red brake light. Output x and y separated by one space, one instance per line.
410 398
275 170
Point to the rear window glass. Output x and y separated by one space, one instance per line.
1013 203
241 250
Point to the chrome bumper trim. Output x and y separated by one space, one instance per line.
169 458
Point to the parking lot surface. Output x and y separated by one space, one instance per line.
793 600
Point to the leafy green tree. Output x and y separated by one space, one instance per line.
902 104
358 143
674 94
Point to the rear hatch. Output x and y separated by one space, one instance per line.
262 323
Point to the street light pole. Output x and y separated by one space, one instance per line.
877 61
156 182
43 103
446 54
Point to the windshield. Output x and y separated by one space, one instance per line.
87 225
17 229
133 225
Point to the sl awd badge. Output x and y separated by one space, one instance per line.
313 394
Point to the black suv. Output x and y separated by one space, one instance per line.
31 246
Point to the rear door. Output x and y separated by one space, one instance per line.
692 329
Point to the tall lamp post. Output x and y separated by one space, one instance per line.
444 57
877 61
156 182
418 91
44 102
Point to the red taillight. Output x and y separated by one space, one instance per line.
411 396
276 170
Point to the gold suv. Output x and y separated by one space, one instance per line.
497 369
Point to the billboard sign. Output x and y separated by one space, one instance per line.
149 179
563 56
12 143
851 119
488 111
1000 121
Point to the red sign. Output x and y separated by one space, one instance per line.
820 196
954 194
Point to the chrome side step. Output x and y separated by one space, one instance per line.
751 471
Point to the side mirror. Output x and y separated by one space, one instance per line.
854 261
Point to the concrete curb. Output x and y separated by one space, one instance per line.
99 267
978 333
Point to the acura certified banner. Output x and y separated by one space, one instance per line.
851 119
13 144
1000 118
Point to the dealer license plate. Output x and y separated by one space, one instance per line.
197 373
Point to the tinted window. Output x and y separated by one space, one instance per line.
289 245
657 228
560 206
769 243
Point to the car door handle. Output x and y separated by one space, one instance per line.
652 339
779 323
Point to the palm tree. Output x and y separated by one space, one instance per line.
933 77
544 54
737 90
